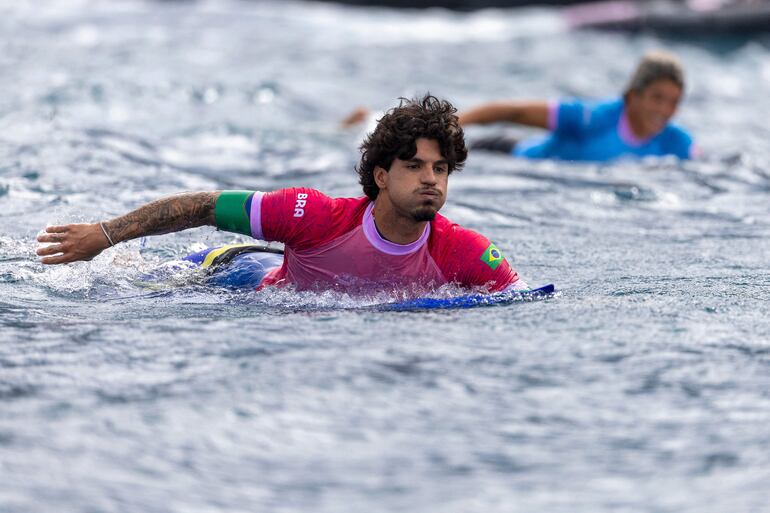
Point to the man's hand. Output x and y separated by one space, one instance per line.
71 242
359 115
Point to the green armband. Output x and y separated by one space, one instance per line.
232 211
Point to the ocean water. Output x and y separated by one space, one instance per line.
643 386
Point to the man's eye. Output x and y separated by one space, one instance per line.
439 170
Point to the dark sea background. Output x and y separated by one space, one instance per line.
643 386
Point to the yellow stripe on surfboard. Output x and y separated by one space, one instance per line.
216 252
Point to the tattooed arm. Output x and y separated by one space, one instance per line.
73 242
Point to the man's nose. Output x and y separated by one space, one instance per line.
667 107
428 175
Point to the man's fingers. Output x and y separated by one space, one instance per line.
69 243
57 229
50 237
50 250
60 259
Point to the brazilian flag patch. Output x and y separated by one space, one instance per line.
493 257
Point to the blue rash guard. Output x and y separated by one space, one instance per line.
599 131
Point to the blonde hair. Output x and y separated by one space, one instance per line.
656 65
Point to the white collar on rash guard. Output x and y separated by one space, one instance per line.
390 248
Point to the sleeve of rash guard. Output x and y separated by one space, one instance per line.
480 263
294 216
298 217
569 117
680 143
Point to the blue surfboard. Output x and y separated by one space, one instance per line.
242 266
471 300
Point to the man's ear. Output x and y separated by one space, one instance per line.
381 177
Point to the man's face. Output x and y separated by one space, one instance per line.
416 188
654 106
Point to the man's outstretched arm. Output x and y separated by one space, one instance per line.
534 113
73 242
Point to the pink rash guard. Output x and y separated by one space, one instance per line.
333 243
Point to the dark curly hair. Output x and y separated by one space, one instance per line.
398 130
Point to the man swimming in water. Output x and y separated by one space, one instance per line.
391 239
635 125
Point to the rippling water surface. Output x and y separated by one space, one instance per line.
643 387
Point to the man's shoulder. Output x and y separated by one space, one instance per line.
591 114
677 132
676 140
301 216
613 102
609 109
449 234
334 213
306 198
357 203
467 257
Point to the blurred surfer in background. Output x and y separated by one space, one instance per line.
637 124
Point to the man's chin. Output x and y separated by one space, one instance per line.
655 127
424 214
